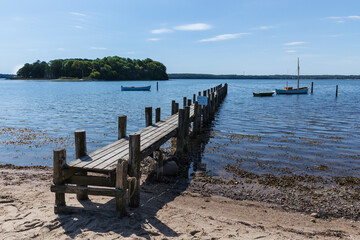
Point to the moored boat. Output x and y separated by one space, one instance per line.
290 90
263 94
146 88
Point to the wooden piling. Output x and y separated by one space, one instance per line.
173 103
80 151
184 102
337 88
176 107
122 126
157 86
157 114
58 165
197 118
194 97
148 116
134 169
180 133
121 183
187 121
160 167
189 102
312 87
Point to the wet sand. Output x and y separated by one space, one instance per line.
169 210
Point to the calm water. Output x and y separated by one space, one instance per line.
273 134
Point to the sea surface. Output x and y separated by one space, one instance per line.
316 134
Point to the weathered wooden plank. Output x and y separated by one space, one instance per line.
59 163
134 169
90 190
91 180
80 151
121 183
122 126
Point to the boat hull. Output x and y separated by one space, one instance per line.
292 91
146 88
263 94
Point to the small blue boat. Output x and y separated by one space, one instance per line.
290 90
146 88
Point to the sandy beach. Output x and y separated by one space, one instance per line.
169 210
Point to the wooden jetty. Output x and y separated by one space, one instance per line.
117 165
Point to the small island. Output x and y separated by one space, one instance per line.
107 68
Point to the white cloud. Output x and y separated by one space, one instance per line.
265 27
223 37
77 14
79 27
290 51
293 43
153 39
98 48
193 27
342 19
334 35
161 30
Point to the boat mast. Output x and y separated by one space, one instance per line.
298 74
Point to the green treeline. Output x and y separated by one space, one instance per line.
107 68
233 76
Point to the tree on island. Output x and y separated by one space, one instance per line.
107 68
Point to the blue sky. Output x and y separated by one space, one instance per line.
199 36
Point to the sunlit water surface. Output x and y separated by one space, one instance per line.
304 134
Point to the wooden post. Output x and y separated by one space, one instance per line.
58 164
157 86
121 183
312 87
157 114
199 94
184 103
337 87
173 107
121 126
196 128
194 97
180 133
187 121
176 107
189 102
160 168
80 151
148 116
134 168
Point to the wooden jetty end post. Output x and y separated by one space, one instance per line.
180 133
80 151
189 102
173 107
194 97
312 87
121 183
157 114
134 169
122 126
148 116
157 86
337 87
184 102
58 164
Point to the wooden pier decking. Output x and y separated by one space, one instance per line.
118 163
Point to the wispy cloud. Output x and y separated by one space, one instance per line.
98 48
290 51
79 27
342 19
161 30
61 49
77 14
334 35
224 37
293 43
153 39
265 27
193 27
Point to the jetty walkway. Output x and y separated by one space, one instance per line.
117 165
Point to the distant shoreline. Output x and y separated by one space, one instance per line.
269 77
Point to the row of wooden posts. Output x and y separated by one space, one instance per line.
312 89
126 174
